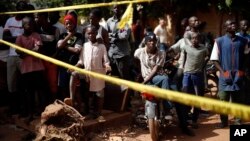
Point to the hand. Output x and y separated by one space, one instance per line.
35 48
70 70
108 69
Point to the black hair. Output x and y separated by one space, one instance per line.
21 5
27 19
97 12
92 27
45 14
149 29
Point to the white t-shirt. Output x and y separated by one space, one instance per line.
16 29
3 53
161 33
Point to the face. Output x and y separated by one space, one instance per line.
69 25
93 19
244 25
91 32
151 45
194 22
195 39
230 26
117 10
162 22
28 26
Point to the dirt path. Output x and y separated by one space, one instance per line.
205 132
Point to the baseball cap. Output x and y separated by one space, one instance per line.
150 36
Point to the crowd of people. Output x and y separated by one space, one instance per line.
130 53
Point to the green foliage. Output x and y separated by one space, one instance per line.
59 3
7 5
228 2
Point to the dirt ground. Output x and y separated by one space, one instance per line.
16 130
205 132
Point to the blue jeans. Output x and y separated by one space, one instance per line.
194 82
163 47
161 81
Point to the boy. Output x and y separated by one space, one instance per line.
31 67
94 58
193 69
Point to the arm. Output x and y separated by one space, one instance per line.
215 57
106 60
124 34
105 37
8 37
81 59
159 64
152 74
76 49
63 42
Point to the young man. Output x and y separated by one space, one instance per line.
49 35
244 25
193 79
13 28
151 62
102 34
228 55
119 51
161 33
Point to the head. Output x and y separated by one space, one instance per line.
162 22
193 22
28 25
184 23
21 6
150 40
91 33
54 17
73 13
195 39
117 10
147 30
30 7
42 18
230 26
244 25
70 22
95 17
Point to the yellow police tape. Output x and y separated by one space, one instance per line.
78 7
217 106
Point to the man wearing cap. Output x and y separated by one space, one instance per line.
151 62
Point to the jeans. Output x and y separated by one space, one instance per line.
194 81
163 47
162 81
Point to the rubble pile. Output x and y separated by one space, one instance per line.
60 122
